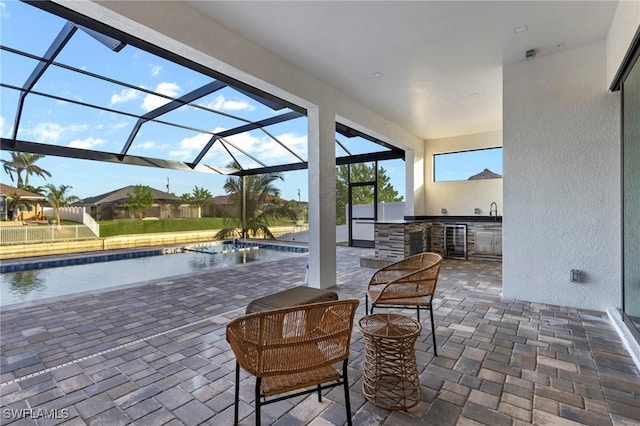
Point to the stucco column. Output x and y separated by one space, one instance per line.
409 179
415 174
322 198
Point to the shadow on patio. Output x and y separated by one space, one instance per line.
156 354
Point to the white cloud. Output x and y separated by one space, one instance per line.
264 148
269 150
5 131
155 69
86 143
189 147
3 10
125 95
147 145
297 143
47 132
52 132
78 127
222 104
152 102
118 126
261 146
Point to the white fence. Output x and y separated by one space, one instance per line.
75 214
190 212
49 233
43 233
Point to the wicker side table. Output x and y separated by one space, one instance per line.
390 377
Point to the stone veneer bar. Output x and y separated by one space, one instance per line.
393 239
397 240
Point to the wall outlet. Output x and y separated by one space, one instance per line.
576 276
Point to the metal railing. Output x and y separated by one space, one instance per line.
44 233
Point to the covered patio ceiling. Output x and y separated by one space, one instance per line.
78 88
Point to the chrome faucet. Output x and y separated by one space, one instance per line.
493 210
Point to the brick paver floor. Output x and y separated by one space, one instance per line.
155 354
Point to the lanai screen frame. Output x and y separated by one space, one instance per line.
78 21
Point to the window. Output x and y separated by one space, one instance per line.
468 165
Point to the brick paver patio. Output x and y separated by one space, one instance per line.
156 354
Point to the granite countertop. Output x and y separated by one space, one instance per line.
461 219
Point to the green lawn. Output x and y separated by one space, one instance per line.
109 228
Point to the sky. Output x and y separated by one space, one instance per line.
464 164
65 123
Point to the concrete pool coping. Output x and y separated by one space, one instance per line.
79 258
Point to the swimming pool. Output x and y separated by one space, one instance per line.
35 281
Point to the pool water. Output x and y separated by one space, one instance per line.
34 284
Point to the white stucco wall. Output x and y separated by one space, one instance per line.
460 198
562 157
625 23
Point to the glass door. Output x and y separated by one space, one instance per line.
631 197
363 196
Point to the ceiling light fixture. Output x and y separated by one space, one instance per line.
377 74
520 29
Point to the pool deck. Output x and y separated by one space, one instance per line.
156 354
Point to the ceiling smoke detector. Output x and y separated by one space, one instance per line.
530 54
520 29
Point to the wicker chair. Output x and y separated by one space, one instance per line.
409 282
293 348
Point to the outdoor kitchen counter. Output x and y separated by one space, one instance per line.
397 239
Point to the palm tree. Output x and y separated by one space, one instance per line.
58 198
41 192
24 162
14 204
200 197
30 168
13 166
261 206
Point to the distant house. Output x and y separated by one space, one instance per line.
18 204
222 205
112 205
485 174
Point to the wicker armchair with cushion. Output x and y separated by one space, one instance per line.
409 282
293 349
